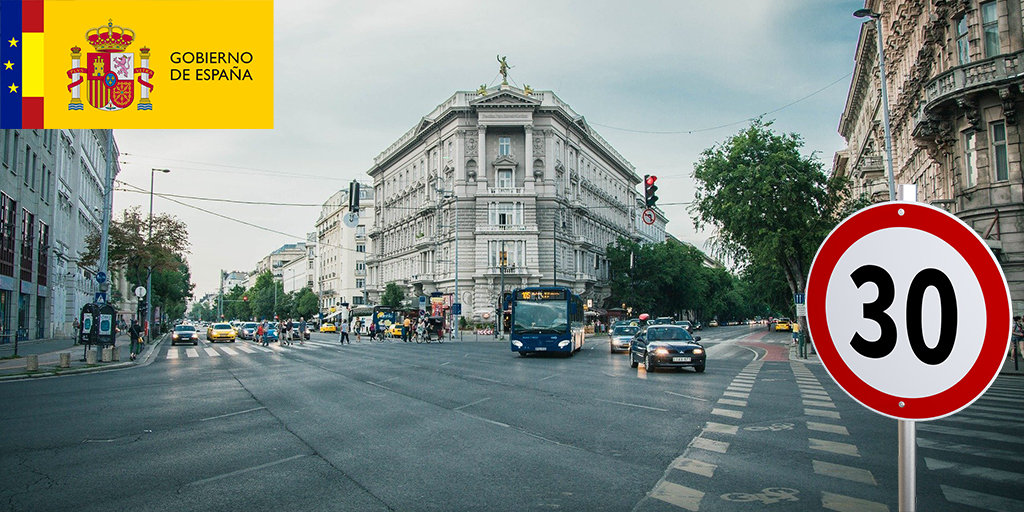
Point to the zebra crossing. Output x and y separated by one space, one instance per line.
976 455
242 348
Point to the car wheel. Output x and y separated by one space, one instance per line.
648 362
699 368
194 343
632 362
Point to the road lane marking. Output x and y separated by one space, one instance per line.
548 377
824 414
969 471
981 500
736 395
982 422
172 353
246 349
975 451
492 422
482 400
379 386
631 405
262 349
191 352
834 447
729 401
841 503
814 403
485 379
828 427
687 396
721 428
728 413
1002 410
232 414
229 351
678 495
246 470
694 466
387 380
211 352
981 434
446 363
845 472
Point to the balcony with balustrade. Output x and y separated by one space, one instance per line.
951 88
506 191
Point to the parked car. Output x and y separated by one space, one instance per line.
697 326
328 327
667 346
685 325
184 333
620 337
220 332
783 324
713 323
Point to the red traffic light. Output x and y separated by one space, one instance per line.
245 298
650 180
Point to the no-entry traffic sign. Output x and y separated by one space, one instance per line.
909 310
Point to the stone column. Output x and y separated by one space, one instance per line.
528 164
76 91
483 167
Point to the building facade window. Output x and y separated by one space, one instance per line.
44 248
505 178
999 160
28 226
990 28
8 210
962 46
504 146
970 161
360 247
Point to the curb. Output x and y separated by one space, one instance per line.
147 359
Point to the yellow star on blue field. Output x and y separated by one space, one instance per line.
13 88
14 42
8 65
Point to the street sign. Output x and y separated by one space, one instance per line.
649 217
799 298
908 310
801 310
101 277
351 219
100 298
140 291
457 308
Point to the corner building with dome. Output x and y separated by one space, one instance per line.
501 171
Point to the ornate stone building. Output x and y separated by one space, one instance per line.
955 75
500 170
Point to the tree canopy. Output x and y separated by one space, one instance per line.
393 296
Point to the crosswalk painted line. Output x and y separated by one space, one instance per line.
721 428
246 349
727 413
736 395
981 500
827 427
815 403
970 471
229 351
975 451
834 447
841 503
1003 410
729 401
709 445
678 495
977 434
821 413
191 352
172 353
695 466
211 352
972 419
844 472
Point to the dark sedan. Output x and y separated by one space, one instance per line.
185 334
667 346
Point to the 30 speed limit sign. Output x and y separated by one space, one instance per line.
908 310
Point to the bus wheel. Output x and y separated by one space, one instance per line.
522 354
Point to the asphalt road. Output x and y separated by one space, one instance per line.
471 426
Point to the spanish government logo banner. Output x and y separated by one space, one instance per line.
136 64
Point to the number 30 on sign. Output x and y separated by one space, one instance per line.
909 310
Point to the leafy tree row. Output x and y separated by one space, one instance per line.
266 299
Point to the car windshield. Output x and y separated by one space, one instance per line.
539 317
222 326
250 325
181 328
625 331
783 320
667 334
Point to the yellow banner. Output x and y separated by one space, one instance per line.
158 64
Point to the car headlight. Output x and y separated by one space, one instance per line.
174 336
698 351
661 351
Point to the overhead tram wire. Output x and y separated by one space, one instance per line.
238 169
747 120
214 199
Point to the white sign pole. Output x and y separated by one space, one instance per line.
908 465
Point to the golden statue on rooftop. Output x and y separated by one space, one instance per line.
504 69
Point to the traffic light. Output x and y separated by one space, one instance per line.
649 189
353 196
245 298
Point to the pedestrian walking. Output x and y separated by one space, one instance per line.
359 330
302 330
136 340
76 326
282 340
1017 336
261 333
406 329
344 333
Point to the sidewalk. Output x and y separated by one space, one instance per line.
49 351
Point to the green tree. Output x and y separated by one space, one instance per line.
767 204
394 296
307 304
172 289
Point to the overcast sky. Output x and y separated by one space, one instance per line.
352 77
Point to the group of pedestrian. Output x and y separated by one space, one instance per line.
287 331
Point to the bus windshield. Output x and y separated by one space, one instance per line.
541 317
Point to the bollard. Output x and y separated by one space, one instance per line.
65 359
32 363
90 356
116 353
108 354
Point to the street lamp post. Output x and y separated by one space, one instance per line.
877 17
149 273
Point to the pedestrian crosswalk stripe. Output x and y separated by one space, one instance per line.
262 348
695 466
211 352
727 412
824 414
728 401
841 503
978 434
967 470
191 352
813 403
987 398
834 447
172 353
828 427
736 395
961 418
246 349
981 500
844 472
229 351
975 451
721 428
678 495
709 444
814 392
1007 394
1003 410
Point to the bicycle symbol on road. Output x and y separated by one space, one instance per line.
774 427
768 495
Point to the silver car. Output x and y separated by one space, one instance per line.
619 338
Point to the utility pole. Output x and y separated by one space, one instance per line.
220 297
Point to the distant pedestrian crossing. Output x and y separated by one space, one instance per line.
242 348
976 454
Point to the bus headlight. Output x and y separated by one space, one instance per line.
517 343
698 351
563 343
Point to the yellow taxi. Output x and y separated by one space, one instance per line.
395 331
783 324
220 332
328 327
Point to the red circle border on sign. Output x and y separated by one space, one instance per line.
986 269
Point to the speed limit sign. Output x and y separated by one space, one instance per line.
909 310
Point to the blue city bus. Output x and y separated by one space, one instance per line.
546 319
